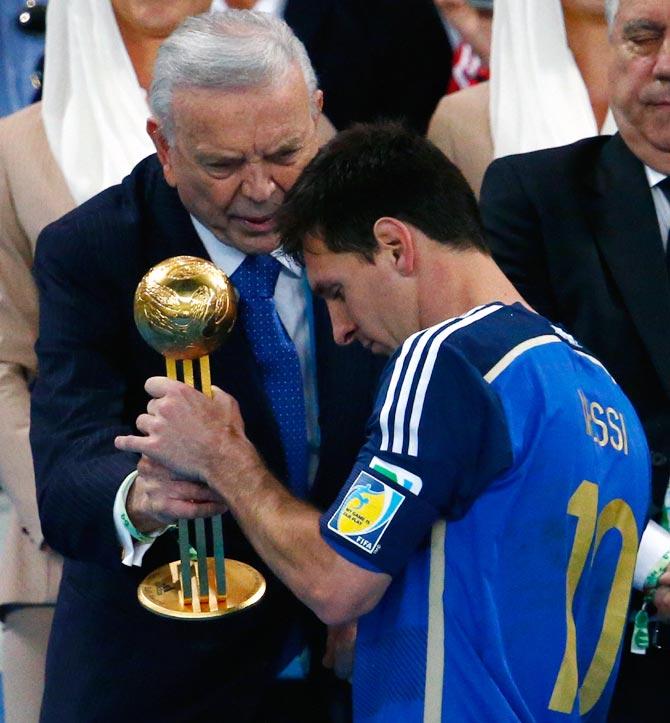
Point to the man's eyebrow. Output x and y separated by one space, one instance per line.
642 24
292 144
214 156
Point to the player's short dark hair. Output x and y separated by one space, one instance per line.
375 170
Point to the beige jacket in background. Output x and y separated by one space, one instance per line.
33 193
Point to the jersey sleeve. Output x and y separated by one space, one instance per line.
438 436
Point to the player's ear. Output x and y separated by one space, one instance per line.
162 148
396 240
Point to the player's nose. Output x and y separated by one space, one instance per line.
344 328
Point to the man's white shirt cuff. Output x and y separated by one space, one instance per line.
132 551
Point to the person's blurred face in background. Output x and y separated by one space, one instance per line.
144 25
155 18
595 8
472 20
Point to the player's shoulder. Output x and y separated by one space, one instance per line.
492 334
482 338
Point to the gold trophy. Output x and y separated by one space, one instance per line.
184 308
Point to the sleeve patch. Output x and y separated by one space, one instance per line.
366 512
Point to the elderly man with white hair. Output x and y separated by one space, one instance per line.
235 108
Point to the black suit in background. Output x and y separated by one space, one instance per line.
109 659
375 58
576 231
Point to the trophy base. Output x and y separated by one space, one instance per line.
160 592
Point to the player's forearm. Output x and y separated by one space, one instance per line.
285 532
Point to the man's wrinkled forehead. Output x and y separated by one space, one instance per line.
284 110
642 12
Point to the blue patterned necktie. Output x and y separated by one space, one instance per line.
277 359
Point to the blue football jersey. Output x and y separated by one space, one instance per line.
504 485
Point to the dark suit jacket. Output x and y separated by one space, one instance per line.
576 230
375 58
109 659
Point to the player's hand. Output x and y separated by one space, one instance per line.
195 437
340 646
158 497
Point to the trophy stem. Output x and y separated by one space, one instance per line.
205 377
219 557
188 372
209 576
201 557
185 559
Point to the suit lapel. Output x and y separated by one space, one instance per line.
173 233
627 233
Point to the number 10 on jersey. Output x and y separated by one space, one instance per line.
591 528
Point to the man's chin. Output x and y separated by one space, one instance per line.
252 243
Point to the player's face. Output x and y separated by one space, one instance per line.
156 18
640 78
357 293
236 153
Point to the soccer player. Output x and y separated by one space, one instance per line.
486 536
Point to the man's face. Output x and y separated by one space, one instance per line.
156 18
236 153
359 297
639 76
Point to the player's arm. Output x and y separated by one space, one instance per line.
283 529
285 532
384 511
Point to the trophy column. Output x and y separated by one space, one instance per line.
184 308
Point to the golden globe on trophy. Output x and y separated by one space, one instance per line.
184 308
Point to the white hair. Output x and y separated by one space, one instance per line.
611 9
225 50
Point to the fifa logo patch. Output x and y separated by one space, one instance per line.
366 512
